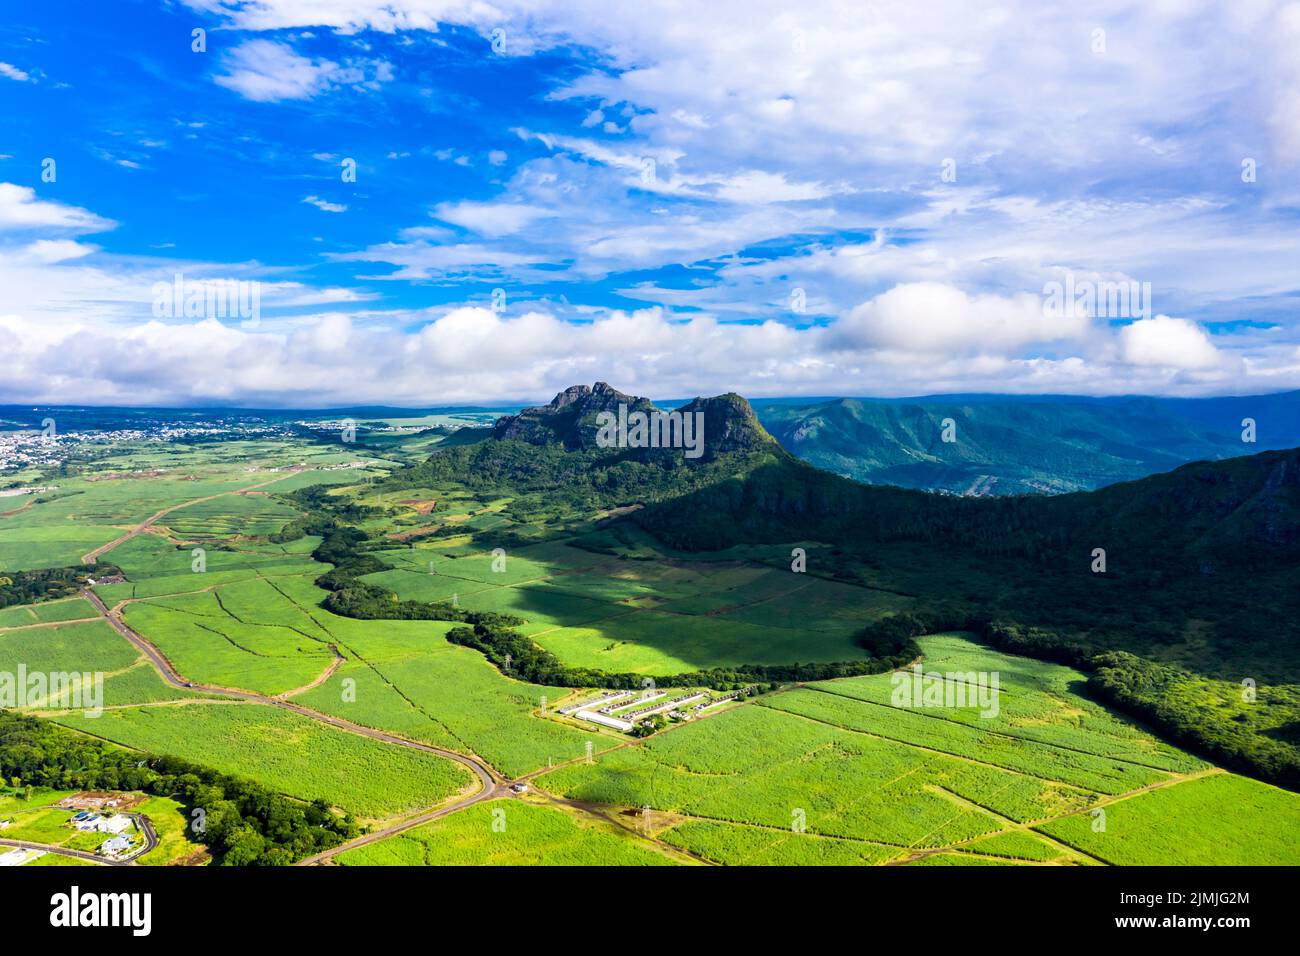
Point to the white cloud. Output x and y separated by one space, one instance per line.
20 209
267 71
13 73
1168 343
323 205
932 317
813 132
422 260
490 219
50 251
472 354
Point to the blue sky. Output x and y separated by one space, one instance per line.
777 199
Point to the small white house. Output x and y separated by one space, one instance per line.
117 823
114 846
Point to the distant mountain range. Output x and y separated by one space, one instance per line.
1005 444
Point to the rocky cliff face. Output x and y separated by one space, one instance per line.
570 419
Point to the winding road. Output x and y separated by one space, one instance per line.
487 780
488 783
141 821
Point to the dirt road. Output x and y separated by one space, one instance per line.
143 526
485 777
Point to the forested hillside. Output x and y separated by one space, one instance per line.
1004 445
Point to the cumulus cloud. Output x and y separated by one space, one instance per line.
490 219
934 317
469 353
1168 343
20 209
749 150
49 251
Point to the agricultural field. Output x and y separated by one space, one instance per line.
255 513
288 752
84 514
77 647
208 644
736 844
406 678
653 617
1186 825
833 773
511 833
71 609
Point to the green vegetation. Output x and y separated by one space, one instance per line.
1221 819
1014 444
1256 730
509 833
455 601
245 824
176 840
80 647
933 778
26 587
210 646
287 752
739 845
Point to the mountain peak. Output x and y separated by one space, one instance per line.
569 418
572 418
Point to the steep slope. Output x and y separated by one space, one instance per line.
551 458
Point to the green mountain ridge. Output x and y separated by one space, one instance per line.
1008 445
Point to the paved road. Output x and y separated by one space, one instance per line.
63 851
489 792
142 823
485 777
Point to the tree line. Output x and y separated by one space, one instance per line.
242 822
